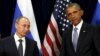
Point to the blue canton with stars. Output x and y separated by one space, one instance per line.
60 15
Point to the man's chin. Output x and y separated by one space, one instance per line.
23 35
75 24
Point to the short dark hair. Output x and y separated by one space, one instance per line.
74 5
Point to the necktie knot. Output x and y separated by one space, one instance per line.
20 40
75 29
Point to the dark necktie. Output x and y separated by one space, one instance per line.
20 48
75 38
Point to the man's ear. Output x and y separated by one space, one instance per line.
15 25
82 12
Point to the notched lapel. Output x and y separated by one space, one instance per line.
69 40
29 48
13 47
82 36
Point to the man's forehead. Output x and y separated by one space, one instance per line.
23 20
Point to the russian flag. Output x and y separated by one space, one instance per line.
24 8
96 17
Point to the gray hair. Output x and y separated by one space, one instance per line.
19 18
74 5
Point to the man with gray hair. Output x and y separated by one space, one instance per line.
18 44
81 39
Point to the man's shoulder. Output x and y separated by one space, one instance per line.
90 27
8 38
68 28
30 40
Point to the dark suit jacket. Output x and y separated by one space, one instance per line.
87 42
8 47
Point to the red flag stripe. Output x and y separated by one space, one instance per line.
45 53
55 34
56 28
50 44
52 41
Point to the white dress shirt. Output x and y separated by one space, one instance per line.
17 42
78 28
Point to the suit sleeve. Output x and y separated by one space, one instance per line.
36 50
1 48
96 39
62 51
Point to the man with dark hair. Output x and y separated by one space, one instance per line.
81 39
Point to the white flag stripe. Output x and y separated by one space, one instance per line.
57 52
51 35
55 25
46 45
27 10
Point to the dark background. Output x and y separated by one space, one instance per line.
42 10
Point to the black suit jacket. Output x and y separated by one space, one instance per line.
8 47
87 42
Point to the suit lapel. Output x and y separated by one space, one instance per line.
69 39
14 48
27 47
82 36
28 50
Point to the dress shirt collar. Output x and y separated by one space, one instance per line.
17 38
79 25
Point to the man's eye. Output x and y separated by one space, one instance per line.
69 14
75 11
24 25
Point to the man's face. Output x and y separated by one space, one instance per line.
74 15
22 27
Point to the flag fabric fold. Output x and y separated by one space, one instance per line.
24 8
96 17
57 25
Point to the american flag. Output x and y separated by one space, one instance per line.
57 25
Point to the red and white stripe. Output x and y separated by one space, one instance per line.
52 40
